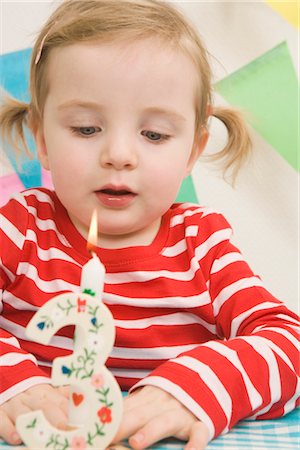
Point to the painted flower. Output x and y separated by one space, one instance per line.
78 442
57 314
65 370
41 325
41 434
97 380
81 304
104 414
94 321
95 342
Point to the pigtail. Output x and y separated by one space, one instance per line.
239 144
13 119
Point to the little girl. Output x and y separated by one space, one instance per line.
120 99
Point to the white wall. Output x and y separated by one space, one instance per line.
263 206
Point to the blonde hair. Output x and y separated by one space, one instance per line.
128 20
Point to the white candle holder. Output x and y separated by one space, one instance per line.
94 393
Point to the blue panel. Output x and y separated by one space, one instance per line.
14 76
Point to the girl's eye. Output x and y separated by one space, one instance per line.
86 131
153 136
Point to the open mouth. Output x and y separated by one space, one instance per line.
115 197
116 192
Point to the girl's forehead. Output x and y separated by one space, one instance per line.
137 57
142 73
128 48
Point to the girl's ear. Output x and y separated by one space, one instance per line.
198 147
42 149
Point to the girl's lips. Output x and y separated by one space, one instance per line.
115 197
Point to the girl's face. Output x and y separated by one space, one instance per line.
118 134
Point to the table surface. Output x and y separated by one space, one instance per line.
281 434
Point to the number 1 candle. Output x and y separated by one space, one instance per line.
94 392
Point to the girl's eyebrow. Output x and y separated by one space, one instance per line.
154 110
168 113
79 104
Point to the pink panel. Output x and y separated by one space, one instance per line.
46 179
8 185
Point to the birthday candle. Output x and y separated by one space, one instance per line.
93 272
95 399
94 393
91 282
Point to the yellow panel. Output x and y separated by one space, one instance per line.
288 10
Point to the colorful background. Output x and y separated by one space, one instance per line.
254 53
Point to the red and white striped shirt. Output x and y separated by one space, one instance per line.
190 315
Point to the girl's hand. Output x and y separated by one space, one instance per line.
151 414
52 401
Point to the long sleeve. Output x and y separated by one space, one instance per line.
251 368
190 315
19 369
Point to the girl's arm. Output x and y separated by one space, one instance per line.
23 385
19 370
250 371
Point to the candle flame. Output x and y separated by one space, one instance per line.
93 233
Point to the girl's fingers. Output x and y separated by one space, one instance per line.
144 396
131 422
52 401
143 406
54 407
152 414
41 399
198 437
117 447
55 413
56 416
64 390
8 430
53 404
14 408
169 423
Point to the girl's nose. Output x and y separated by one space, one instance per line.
119 154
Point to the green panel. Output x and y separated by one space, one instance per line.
267 91
187 191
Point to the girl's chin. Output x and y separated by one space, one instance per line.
128 234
